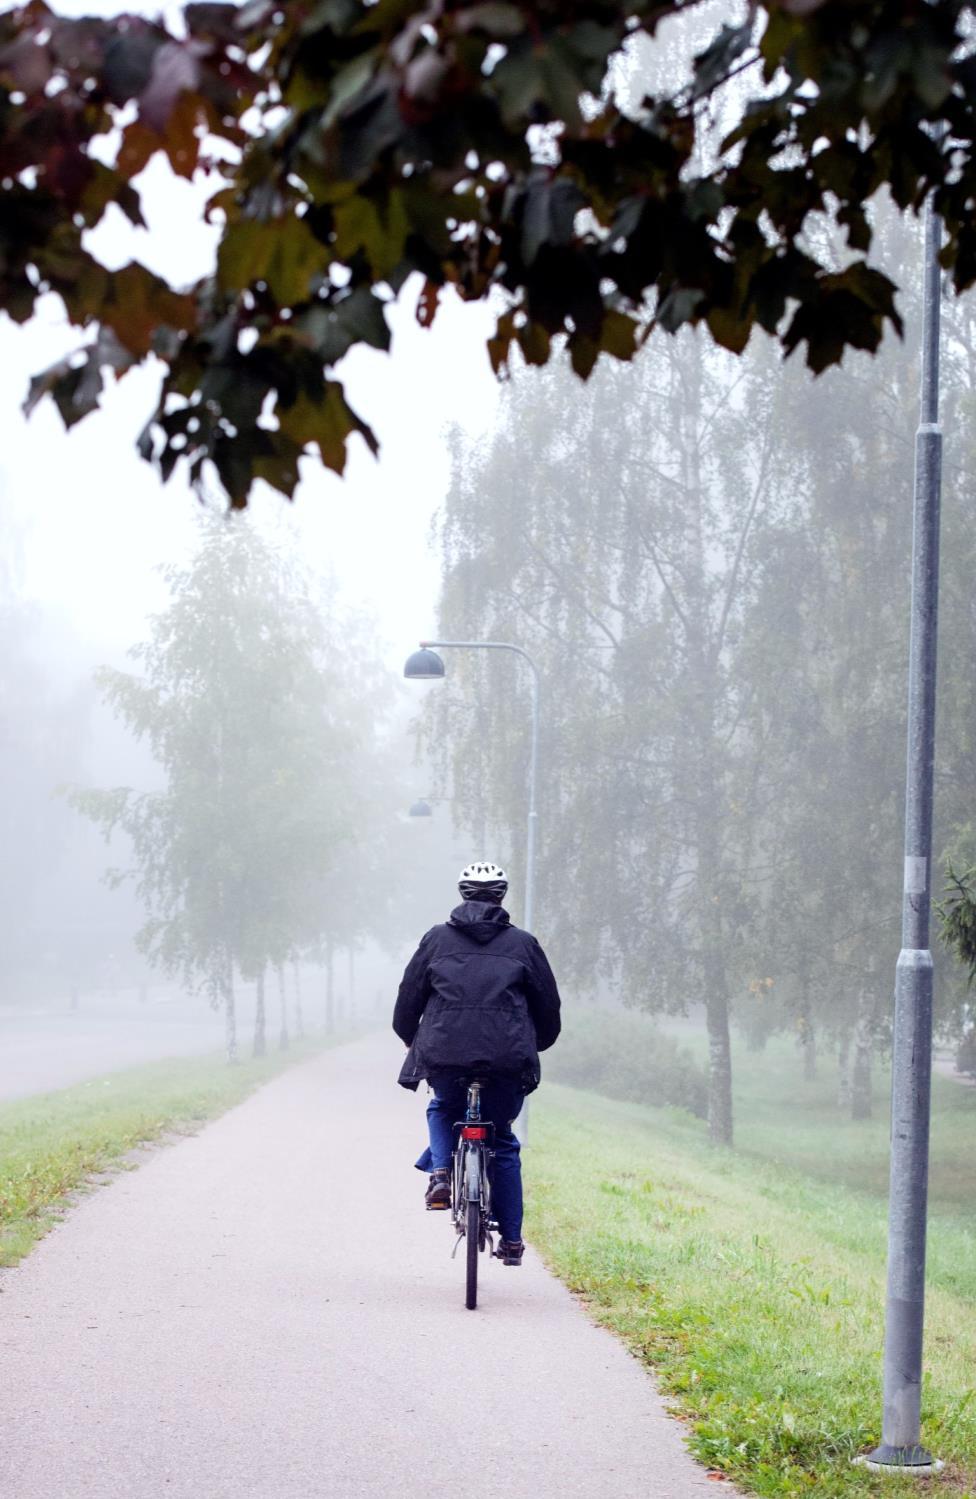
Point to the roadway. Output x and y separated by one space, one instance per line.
265 1311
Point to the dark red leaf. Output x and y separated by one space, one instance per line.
427 304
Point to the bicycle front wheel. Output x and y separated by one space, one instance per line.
472 1234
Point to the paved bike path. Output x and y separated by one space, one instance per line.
265 1311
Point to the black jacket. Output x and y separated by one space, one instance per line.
477 997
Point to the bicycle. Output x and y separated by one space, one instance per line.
474 1140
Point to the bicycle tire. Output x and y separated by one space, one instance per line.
473 1244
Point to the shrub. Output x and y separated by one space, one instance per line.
622 1055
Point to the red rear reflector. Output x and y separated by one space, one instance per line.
474 1132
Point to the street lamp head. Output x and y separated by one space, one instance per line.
420 808
424 666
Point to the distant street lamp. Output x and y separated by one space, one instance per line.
426 666
911 1063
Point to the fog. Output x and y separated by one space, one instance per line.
88 533
707 556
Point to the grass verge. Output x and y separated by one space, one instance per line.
54 1143
753 1287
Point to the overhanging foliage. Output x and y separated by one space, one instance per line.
487 147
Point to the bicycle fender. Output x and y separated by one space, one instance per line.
472 1174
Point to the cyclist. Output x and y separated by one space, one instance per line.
477 999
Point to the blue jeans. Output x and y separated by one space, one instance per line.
500 1102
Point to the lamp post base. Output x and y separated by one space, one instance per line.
913 1462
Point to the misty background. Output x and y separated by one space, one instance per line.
88 531
707 555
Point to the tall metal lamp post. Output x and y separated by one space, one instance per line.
426 666
912 1043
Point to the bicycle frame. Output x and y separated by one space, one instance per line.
474 1141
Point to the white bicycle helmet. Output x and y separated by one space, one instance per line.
483 881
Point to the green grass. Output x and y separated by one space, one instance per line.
54 1143
753 1281
783 1118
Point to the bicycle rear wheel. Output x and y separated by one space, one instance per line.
472 1234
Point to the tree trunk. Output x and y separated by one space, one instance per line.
861 1071
329 991
808 1034
352 981
284 1040
230 1016
844 1073
299 1017
260 1043
719 1062
712 938
704 758
74 996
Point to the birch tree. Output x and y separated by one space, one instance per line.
261 746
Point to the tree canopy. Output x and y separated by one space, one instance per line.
491 147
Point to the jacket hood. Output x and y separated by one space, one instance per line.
481 920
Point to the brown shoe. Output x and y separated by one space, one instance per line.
438 1194
510 1251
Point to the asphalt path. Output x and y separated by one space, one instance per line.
265 1311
